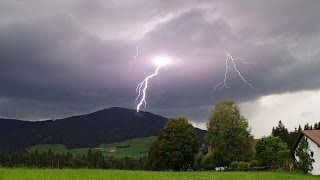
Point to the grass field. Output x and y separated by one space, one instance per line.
56 148
138 147
86 174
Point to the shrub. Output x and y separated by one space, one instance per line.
242 165
254 163
234 164
208 162
268 149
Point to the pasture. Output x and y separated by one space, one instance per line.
87 174
138 148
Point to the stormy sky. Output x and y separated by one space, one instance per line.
64 58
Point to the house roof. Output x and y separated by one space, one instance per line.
314 135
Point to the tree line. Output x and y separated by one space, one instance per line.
48 159
290 137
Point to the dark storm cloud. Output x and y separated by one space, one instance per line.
273 18
202 46
276 71
63 58
50 62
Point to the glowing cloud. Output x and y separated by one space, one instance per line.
161 60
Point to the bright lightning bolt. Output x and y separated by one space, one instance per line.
143 86
233 60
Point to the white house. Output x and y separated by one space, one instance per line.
313 139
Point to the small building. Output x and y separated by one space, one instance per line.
109 150
313 139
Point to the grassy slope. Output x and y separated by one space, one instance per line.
34 174
136 146
56 148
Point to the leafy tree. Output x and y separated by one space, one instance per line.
175 147
154 163
305 156
229 134
272 151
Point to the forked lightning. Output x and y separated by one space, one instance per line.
143 86
223 84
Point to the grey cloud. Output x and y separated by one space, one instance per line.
51 63
306 114
273 18
277 70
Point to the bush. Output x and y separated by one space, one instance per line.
208 162
234 165
254 163
239 165
243 165
284 158
271 151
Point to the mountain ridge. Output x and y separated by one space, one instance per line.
88 130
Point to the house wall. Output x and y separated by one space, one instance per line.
316 156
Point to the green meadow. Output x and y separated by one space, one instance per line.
138 147
87 174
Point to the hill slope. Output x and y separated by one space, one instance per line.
130 148
89 130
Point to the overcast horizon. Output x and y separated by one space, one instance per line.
71 57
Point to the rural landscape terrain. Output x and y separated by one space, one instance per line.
83 131
190 149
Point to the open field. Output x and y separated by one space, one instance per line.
56 148
86 174
138 147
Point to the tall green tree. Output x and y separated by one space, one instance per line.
272 151
229 134
175 147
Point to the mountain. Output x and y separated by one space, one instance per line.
106 126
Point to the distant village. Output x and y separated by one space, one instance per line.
112 149
109 150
